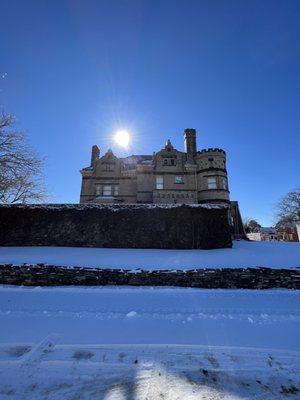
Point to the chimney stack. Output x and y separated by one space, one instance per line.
95 155
190 145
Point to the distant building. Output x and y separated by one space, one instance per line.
263 234
166 177
283 234
288 234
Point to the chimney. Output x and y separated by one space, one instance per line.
190 145
95 154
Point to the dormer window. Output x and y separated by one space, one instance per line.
108 167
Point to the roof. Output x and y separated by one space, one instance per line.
269 230
131 162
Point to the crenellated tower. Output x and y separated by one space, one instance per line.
212 176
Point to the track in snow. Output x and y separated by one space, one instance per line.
152 315
122 372
110 343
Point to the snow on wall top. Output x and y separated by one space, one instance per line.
113 207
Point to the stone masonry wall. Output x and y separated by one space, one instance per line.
121 226
226 278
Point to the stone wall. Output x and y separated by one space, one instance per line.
123 226
226 278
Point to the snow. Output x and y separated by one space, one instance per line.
112 207
129 315
148 343
243 254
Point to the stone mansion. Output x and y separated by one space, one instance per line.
168 176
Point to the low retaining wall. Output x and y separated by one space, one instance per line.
226 278
122 226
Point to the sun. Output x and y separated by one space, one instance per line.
122 138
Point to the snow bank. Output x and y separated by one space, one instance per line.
243 254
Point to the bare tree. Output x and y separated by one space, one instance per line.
21 170
251 225
289 208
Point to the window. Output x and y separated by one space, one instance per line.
108 167
159 182
116 190
172 161
224 183
165 161
212 182
98 190
106 190
178 179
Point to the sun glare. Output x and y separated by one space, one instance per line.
122 138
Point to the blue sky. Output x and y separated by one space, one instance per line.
75 71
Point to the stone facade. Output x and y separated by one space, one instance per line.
167 176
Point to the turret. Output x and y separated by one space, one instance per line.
190 144
212 175
95 154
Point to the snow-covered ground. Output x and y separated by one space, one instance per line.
243 254
148 343
128 315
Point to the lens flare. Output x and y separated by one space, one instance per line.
122 138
